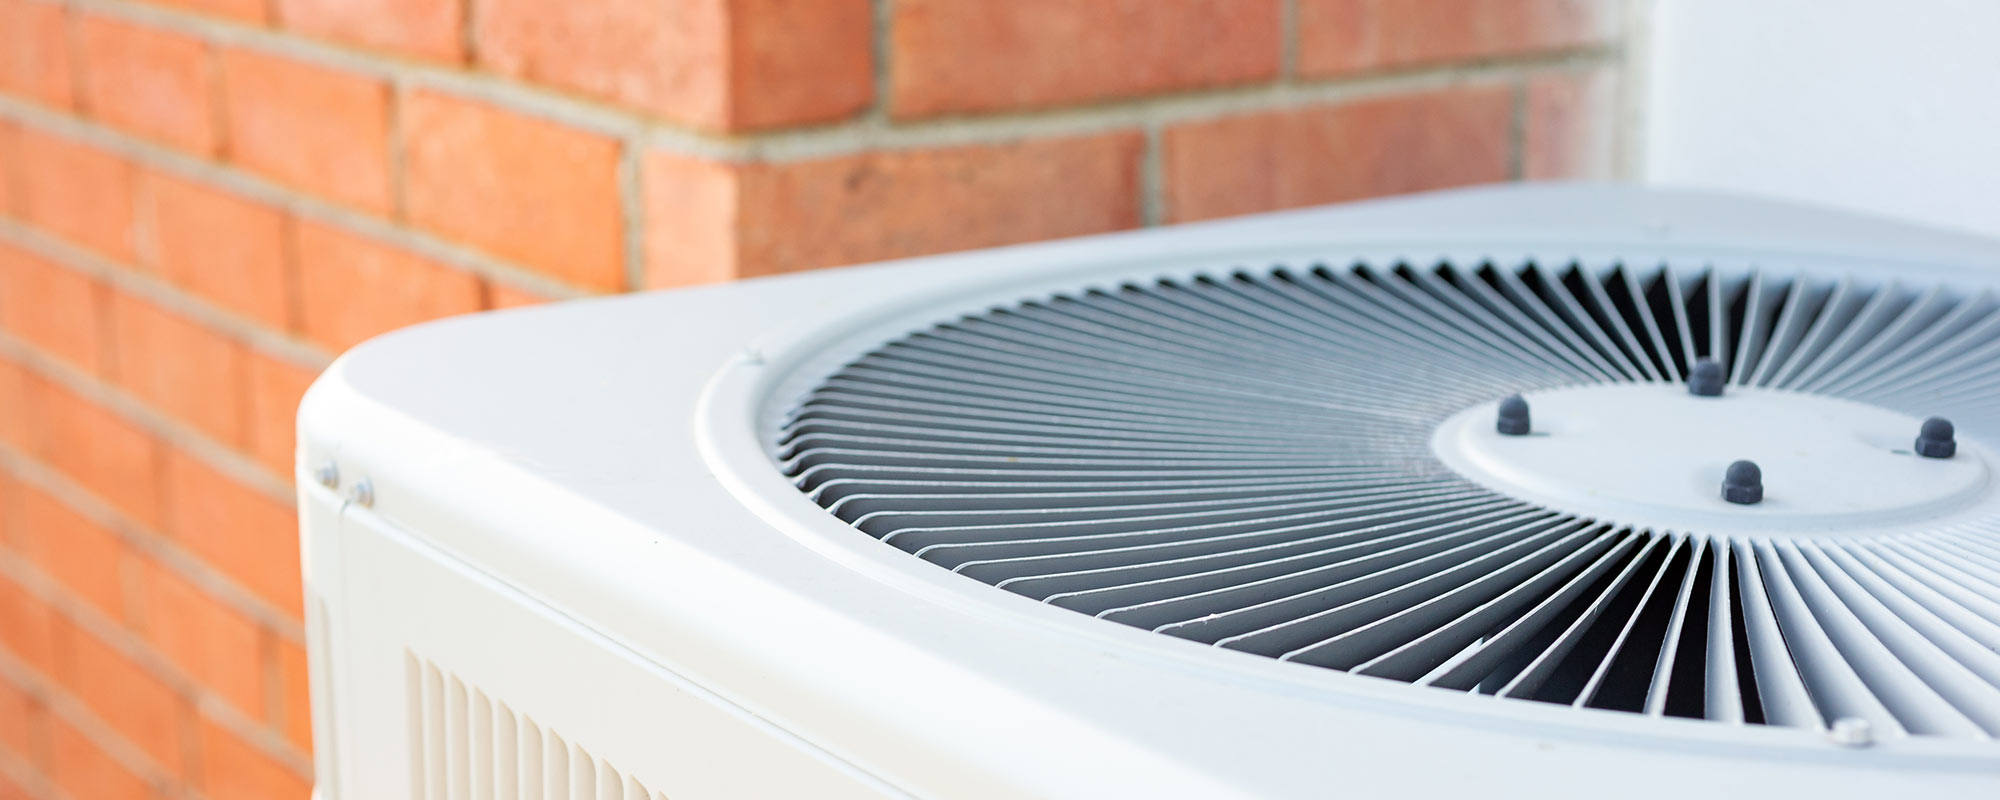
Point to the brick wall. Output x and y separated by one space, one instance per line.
203 201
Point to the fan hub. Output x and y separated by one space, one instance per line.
1653 455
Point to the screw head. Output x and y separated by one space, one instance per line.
327 474
1513 419
1743 484
1705 379
1851 732
363 493
1936 439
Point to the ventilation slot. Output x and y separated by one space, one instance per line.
1243 460
470 746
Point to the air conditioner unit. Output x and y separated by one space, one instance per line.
1243 508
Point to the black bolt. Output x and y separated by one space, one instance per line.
1743 484
1935 439
1705 380
1513 416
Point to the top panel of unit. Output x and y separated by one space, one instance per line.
1293 372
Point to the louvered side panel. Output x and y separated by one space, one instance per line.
472 746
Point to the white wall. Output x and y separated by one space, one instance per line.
1890 106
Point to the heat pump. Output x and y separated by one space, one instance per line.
1543 491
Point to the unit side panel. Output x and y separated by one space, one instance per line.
451 684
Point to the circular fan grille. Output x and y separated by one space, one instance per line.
1244 460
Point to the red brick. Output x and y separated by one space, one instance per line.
355 287
691 216
76 191
88 560
20 721
320 129
1567 131
667 57
213 643
127 697
1380 146
273 399
8 489
9 157
954 56
36 63
247 535
27 628
52 307
295 696
500 296
180 367
427 29
873 206
714 64
253 11
83 770
104 452
220 245
152 82
1348 36
799 61
233 769
15 420
524 189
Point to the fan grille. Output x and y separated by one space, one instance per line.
1243 460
